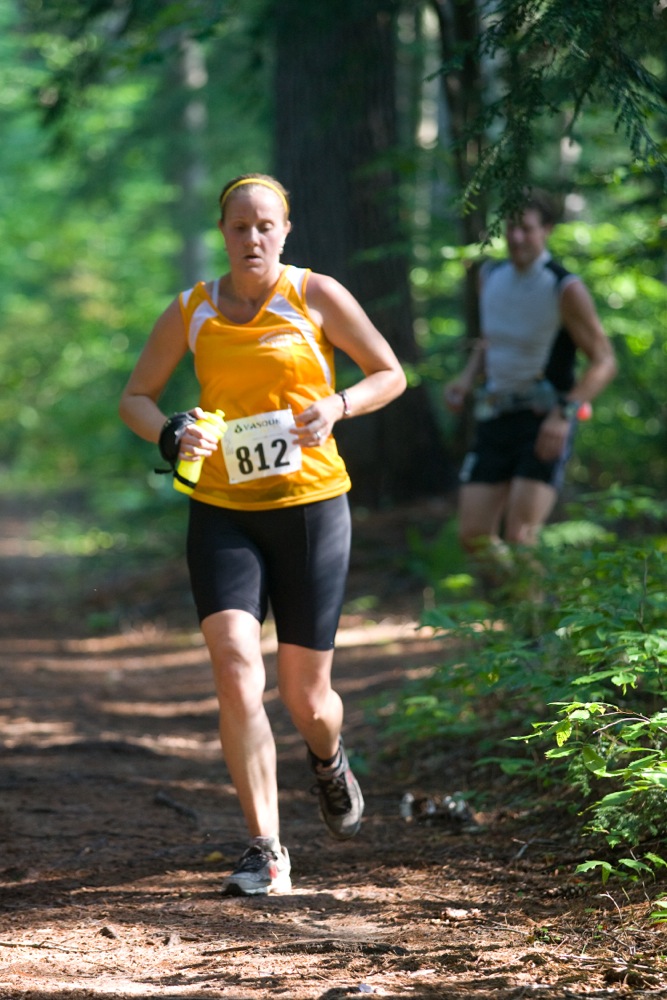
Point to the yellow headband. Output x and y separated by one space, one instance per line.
254 180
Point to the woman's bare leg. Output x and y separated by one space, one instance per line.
248 746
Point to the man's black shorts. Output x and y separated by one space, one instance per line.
504 448
295 559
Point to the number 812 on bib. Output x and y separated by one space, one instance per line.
261 445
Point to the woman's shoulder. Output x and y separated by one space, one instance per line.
333 303
324 285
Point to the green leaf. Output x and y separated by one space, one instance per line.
653 776
579 713
593 761
637 866
588 866
563 731
561 752
616 798
598 675
657 862
624 679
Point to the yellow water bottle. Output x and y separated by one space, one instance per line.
186 473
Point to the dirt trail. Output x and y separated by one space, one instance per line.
117 819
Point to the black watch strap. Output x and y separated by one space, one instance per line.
171 434
568 407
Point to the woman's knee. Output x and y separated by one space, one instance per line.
304 704
240 687
233 640
306 701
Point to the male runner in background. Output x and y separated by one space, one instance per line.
534 318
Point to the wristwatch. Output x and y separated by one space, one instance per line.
568 407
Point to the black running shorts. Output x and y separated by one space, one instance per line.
504 448
294 559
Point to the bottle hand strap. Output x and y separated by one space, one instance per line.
170 437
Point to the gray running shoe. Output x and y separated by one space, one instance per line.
264 867
340 798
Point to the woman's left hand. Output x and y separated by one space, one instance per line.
314 425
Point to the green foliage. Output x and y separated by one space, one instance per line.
624 868
575 672
559 57
91 242
429 555
659 914
604 744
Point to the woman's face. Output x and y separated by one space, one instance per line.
254 229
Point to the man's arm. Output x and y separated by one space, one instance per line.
455 392
583 325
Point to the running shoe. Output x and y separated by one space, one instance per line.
340 798
264 867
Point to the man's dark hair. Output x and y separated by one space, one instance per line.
541 202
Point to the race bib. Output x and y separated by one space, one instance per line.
260 445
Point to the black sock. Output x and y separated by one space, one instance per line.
330 761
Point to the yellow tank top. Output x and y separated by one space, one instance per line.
261 374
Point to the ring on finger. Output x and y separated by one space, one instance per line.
317 435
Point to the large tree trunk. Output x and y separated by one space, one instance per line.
459 28
336 139
188 162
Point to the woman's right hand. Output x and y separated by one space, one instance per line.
199 440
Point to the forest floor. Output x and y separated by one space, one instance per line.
117 819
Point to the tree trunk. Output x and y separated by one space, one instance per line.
189 163
336 140
459 27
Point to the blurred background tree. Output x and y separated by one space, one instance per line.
404 131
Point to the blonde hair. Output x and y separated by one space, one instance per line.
261 180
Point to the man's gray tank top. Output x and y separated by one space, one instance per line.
520 321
